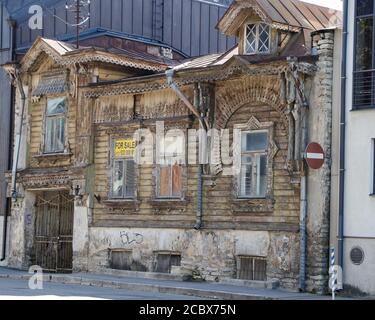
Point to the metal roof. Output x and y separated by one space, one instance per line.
285 14
66 54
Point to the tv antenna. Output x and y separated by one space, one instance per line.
81 11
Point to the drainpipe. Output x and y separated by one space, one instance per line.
340 236
204 126
303 196
12 24
17 148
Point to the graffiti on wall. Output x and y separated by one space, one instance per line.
131 237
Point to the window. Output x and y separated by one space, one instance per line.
364 64
54 138
170 169
257 38
165 261
253 175
121 259
251 268
123 170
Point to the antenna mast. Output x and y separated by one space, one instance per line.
77 7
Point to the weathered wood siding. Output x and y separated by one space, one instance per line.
222 209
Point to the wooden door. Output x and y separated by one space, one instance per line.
54 231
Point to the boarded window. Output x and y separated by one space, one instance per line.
170 185
121 259
253 175
165 261
171 155
123 175
54 135
252 268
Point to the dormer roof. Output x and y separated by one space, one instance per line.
290 15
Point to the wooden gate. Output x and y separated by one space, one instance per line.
54 232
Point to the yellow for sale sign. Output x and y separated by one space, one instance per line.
125 148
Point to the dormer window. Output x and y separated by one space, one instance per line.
257 38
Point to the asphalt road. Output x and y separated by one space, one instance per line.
19 290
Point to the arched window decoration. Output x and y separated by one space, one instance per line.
254 151
257 38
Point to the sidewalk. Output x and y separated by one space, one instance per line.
193 289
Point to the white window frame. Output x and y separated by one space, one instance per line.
123 159
256 154
257 38
55 116
169 161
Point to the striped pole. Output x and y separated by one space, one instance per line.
333 275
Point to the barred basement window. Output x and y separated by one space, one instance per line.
54 135
251 268
257 38
165 261
253 176
120 259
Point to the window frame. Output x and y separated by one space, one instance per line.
253 124
355 72
159 166
257 26
47 117
113 159
170 182
254 155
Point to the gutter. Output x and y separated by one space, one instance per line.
17 148
340 236
203 125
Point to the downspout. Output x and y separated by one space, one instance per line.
303 204
203 125
303 195
340 236
12 25
17 148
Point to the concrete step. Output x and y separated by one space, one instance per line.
140 274
270 284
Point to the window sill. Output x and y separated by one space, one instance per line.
168 205
362 108
131 203
52 156
252 205
161 201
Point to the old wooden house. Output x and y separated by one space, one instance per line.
93 195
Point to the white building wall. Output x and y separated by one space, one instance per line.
359 205
3 263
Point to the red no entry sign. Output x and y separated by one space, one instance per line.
314 155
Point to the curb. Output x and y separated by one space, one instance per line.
201 293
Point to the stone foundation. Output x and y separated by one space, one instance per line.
211 252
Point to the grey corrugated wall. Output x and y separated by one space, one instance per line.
4 106
186 25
